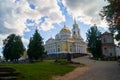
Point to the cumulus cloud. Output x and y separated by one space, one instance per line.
51 10
12 17
86 11
14 13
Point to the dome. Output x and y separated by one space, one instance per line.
65 33
50 40
65 30
57 36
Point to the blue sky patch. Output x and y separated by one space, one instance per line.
32 6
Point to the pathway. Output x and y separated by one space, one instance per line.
99 70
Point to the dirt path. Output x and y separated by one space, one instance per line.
100 70
75 73
95 70
72 75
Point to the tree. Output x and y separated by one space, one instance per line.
12 47
94 42
35 48
17 48
111 13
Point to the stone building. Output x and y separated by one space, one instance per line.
109 49
66 41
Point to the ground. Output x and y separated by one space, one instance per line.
94 70
40 70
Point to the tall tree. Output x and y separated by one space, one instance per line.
35 48
17 48
94 42
111 12
13 47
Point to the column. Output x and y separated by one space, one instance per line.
76 48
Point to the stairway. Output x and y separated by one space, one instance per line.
8 73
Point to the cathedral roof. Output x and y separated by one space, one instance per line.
51 38
75 25
65 30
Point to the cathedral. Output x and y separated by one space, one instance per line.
66 41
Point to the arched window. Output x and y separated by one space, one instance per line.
74 32
58 49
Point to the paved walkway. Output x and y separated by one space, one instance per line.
99 70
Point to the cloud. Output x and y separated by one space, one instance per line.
86 11
25 40
15 13
49 10
2 37
12 17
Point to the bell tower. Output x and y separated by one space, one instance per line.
75 30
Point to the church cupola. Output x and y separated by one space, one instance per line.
65 32
76 31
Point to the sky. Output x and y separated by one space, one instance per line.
21 17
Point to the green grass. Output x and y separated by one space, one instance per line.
40 71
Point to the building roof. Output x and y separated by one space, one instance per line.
65 30
106 33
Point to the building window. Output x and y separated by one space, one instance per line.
110 54
104 40
74 32
58 49
105 49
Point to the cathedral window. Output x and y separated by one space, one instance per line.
58 49
74 32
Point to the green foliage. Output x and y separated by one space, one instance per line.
35 48
111 12
13 47
94 42
40 71
61 61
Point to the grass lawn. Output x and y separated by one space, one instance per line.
40 71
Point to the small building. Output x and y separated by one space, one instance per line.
66 41
109 49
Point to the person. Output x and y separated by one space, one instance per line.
68 57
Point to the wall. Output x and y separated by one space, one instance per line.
117 51
63 55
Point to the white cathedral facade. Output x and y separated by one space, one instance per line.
66 41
